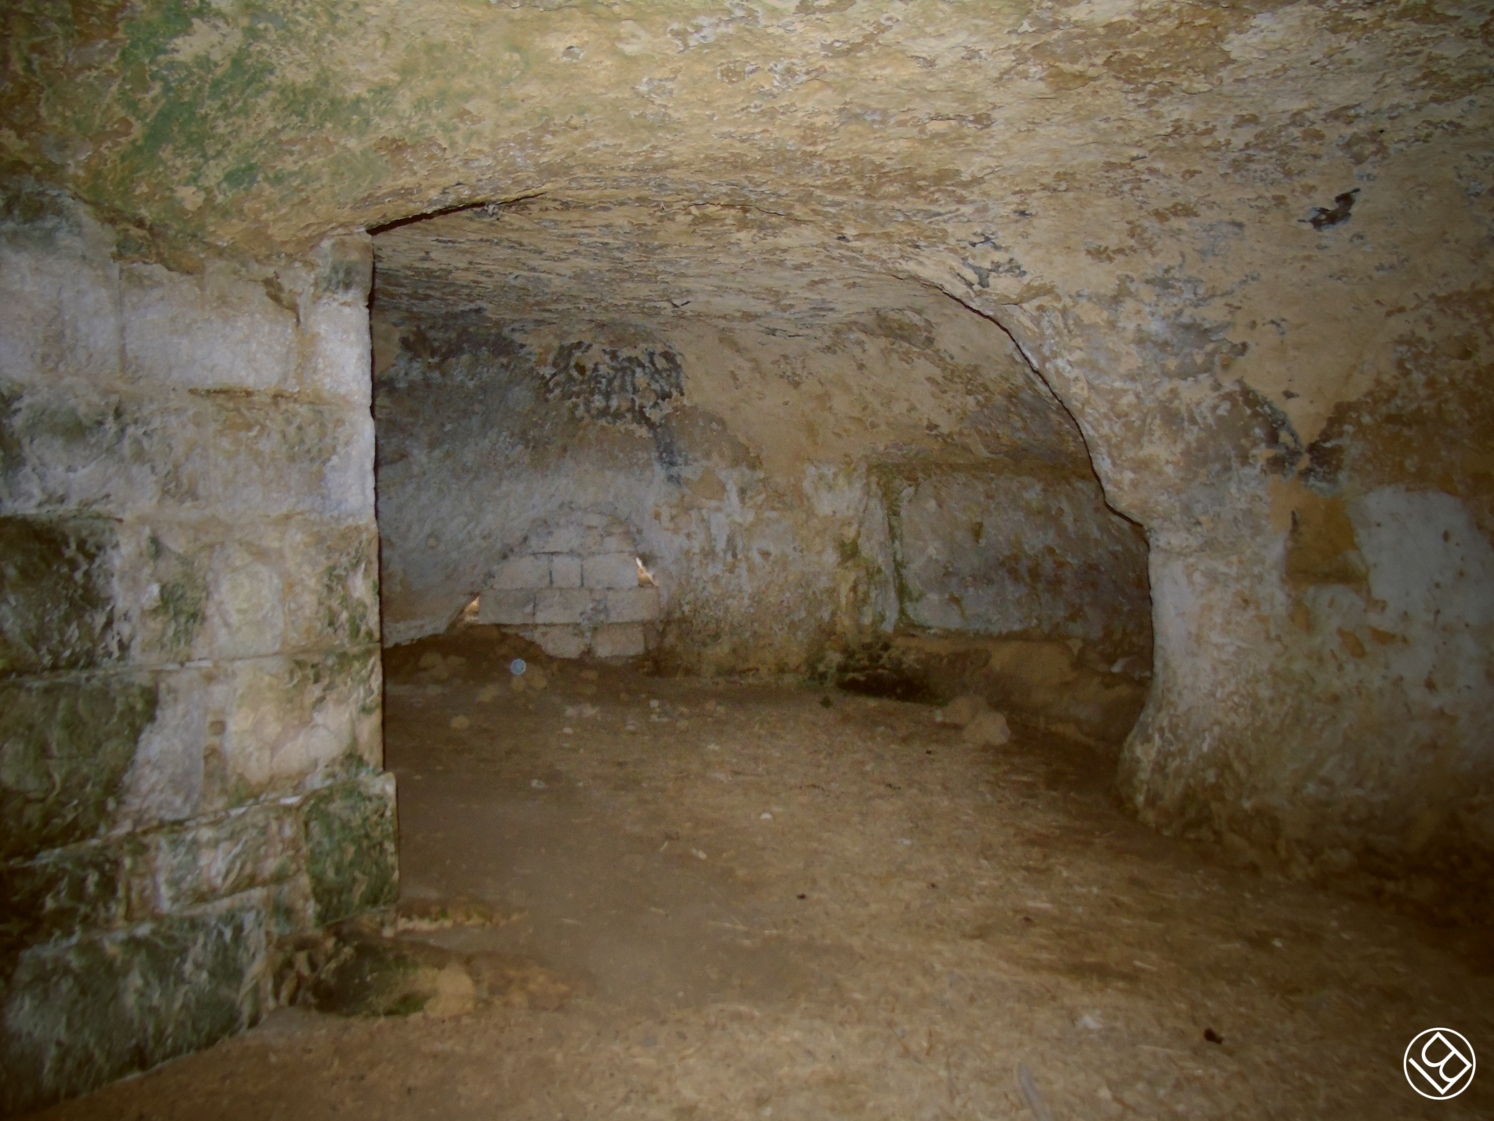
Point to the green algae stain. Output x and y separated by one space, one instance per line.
59 893
350 598
350 844
81 1013
240 178
56 604
65 748
181 605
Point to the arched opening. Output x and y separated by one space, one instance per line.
649 535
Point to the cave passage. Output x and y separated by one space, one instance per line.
754 687
778 559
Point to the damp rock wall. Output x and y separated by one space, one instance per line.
479 454
190 752
762 481
1027 555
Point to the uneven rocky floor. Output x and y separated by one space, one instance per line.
750 900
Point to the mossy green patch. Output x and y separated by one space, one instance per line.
344 673
85 1012
350 602
369 977
65 746
59 893
350 843
56 606
180 606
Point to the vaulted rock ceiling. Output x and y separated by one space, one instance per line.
1110 163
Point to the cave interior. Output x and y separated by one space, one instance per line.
752 559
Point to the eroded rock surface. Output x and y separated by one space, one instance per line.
1244 245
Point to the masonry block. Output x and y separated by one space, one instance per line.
351 833
65 747
512 607
558 642
80 1013
618 640
184 866
563 539
61 892
332 584
633 605
610 570
338 352
245 601
57 608
291 718
563 605
212 331
59 289
565 571
527 571
618 539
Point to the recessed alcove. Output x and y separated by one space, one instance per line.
823 469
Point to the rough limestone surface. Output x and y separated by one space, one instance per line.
189 654
1245 244
769 485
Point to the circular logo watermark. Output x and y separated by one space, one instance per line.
1439 1064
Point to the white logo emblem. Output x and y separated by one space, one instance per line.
1439 1064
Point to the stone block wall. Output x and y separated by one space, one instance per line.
190 751
575 586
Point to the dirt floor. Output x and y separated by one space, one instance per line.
678 899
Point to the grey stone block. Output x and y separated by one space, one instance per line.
213 331
338 352
225 454
84 1012
165 779
563 605
618 640
565 571
527 571
292 718
511 607
182 867
60 293
69 444
562 539
65 747
610 570
350 844
245 604
332 584
632 605
617 540
559 642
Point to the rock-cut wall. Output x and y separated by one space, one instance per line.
893 501
190 751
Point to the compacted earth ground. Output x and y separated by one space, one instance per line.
627 895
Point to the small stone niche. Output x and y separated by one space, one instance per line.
576 587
